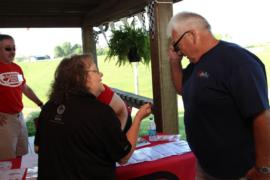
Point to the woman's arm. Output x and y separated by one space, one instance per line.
132 133
120 109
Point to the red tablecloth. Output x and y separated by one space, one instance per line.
16 163
183 166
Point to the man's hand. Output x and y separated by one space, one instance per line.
2 120
174 57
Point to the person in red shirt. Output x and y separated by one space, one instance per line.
13 132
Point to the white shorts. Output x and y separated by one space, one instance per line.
13 136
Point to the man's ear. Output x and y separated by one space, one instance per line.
195 36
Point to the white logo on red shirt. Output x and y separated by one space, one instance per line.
11 79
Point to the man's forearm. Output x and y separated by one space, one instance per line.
177 76
28 92
261 129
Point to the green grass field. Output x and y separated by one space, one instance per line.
39 75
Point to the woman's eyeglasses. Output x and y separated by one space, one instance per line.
10 49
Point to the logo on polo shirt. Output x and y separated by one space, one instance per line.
11 79
58 117
61 109
203 74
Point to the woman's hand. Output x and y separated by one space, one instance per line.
144 111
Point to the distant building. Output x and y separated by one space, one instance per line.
40 57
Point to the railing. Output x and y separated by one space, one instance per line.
133 100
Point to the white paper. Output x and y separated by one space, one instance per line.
12 174
5 165
32 173
159 151
163 150
142 142
140 156
151 153
168 137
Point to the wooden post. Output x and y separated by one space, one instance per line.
164 94
88 42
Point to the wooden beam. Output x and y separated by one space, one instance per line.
88 41
165 98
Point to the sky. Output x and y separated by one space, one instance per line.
244 21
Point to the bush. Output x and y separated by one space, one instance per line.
30 123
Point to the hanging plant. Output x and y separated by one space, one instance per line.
129 44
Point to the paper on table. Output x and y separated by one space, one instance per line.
140 156
5 165
150 152
175 137
179 147
32 173
142 142
12 174
158 152
163 150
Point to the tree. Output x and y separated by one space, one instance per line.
66 49
225 37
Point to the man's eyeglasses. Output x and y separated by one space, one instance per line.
175 45
10 49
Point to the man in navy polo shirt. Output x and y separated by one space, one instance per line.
224 90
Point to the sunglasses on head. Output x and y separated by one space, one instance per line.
10 49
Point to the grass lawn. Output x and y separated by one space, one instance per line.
39 75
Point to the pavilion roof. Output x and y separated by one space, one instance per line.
66 13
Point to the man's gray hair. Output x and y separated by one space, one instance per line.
185 21
5 36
